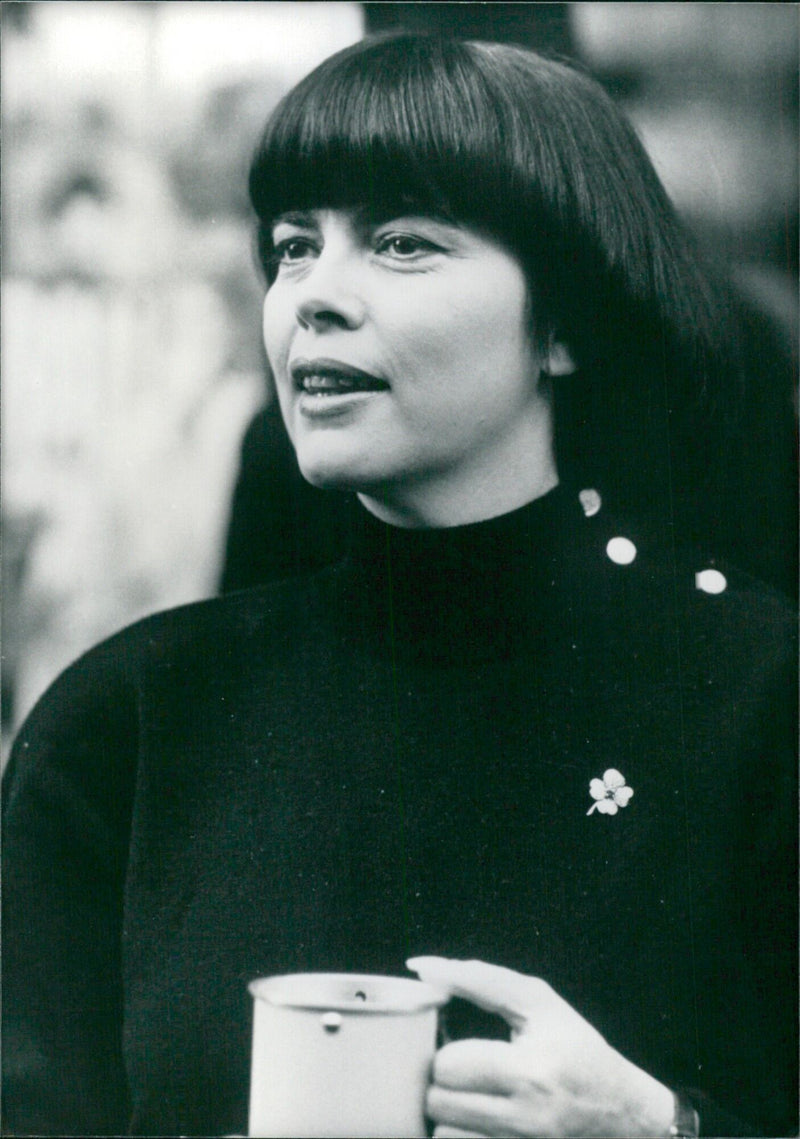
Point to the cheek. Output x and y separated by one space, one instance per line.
501 298
482 324
276 327
501 333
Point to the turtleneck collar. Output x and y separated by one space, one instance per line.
518 534
480 590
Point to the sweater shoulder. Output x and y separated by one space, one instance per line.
735 612
259 612
709 598
98 697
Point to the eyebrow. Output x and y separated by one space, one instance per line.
303 218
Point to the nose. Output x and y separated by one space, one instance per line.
328 296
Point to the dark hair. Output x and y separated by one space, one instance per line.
533 152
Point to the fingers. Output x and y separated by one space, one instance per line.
470 1112
472 1083
492 987
491 1066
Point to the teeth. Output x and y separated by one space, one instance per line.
324 383
329 384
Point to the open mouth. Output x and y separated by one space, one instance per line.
324 379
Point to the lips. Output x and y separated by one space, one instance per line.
333 378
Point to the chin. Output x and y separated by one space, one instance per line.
332 475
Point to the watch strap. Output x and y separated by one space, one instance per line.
686 1122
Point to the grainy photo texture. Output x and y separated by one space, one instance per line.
400 569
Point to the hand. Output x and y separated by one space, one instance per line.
557 1076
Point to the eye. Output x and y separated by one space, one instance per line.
406 246
290 251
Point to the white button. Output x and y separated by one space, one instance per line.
621 550
711 581
590 500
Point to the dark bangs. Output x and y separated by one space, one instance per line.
401 123
525 149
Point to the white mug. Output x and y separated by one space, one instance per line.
341 1055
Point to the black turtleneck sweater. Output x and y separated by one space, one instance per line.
393 757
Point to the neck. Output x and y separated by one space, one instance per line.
442 505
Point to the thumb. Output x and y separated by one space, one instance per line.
494 988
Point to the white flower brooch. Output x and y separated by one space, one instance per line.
609 792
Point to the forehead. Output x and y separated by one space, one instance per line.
361 216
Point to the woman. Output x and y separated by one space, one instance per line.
523 722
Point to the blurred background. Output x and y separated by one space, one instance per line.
131 355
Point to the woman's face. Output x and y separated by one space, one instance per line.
405 365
